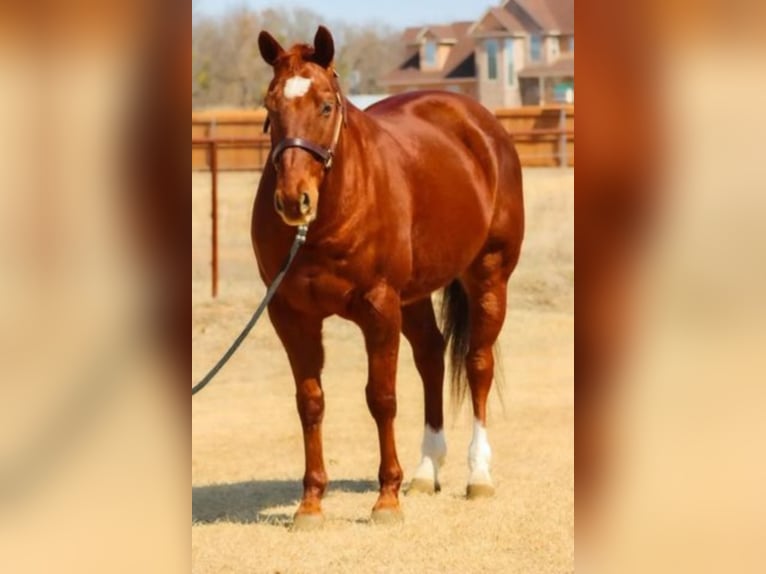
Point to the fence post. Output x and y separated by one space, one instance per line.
213 147
563 159
211 129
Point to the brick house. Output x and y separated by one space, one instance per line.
518 53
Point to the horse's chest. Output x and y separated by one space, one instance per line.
317 291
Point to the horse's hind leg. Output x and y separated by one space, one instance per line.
485 284
301 336
420 328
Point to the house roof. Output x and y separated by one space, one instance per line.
443 33
460 64
515 16
550 15
447 33
510 21
564 66
410 35
532 16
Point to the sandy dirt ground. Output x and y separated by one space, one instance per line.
247 454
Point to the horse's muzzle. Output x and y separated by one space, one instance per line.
297 212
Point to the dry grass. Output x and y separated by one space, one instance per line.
247 455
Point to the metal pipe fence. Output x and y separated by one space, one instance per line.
561 136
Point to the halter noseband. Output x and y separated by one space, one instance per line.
325 155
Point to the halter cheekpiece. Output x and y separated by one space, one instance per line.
323 154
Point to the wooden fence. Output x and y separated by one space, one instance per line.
544 137
228 141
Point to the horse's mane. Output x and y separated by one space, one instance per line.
297 55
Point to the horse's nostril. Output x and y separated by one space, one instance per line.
278 205
305 203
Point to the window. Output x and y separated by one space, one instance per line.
429 52
509 62
564 91
535 47
491 46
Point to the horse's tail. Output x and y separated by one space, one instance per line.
456 327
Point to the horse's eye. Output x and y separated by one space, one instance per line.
326 108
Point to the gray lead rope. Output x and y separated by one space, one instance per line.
300 239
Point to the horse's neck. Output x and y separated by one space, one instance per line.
346 187
352 136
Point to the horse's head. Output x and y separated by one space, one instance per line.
305 109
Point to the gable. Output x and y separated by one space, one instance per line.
489 23
543 15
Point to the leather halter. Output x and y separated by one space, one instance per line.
325 155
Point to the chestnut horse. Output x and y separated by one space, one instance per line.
421 191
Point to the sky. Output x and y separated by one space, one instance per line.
397 13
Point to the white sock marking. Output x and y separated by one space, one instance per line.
296 87
434 449
479 456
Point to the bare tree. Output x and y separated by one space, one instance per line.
367 53
227 69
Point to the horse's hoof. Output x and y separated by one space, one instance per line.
475 491
387 516
422 486
305 522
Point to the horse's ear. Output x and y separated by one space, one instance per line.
269 47
324 47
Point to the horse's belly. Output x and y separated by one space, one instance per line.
426 282
417 292
436 264
450 225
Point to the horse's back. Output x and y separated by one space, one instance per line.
426 104
462 174
459 129
438 110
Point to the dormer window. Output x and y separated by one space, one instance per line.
429 54
491 46
509 59
535 47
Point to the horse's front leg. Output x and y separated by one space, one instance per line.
301 336
379 316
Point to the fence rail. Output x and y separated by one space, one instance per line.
223 141
544 137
